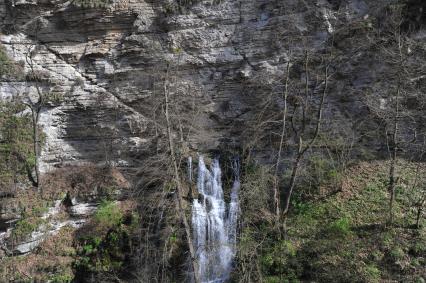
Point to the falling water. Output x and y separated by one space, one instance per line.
190 169
214 223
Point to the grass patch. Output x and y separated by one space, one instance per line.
108 215
340 227
342 238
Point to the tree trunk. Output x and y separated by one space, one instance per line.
277 165
301 151
392 183
293 178
419 214
36 144
179 197
392 187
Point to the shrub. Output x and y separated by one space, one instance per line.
322 171
340 227
280 260
104 247
397 253
24 228
372 273
16 144
37 76
7 67
418 248
102 254
108 214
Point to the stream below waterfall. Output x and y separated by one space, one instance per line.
214 222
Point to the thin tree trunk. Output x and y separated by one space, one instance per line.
293 177
419 213
35 110
392 182
422 200
301 151
392 187
36 144
277 165
179 197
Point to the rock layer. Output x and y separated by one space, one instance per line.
108 66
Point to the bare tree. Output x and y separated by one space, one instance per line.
302 109
420 185
179 189
35 102
277 202
389 102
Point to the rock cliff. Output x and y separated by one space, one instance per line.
108 65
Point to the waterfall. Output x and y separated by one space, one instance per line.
190 169
214 222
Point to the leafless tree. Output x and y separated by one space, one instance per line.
277 203
178 184
300 125
36 101
389 101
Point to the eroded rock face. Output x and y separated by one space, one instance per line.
108 67
76 217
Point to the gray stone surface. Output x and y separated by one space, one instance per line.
108 66
78 214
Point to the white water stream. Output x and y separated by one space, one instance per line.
214 222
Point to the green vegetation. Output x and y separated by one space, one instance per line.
340 227
322 171
16 143
30 220
62 278
104 248
50 262
24 228
101 248
6 66
108 215
340 238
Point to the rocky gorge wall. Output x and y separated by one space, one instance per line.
108 66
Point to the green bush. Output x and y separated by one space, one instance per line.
322 171
108 214
103 254
61 278
6 66
24 227
39 210
280 261
372 273
105 247
9 68
16 142
340 227
418 248
397 253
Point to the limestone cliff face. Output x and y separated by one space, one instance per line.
108 66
